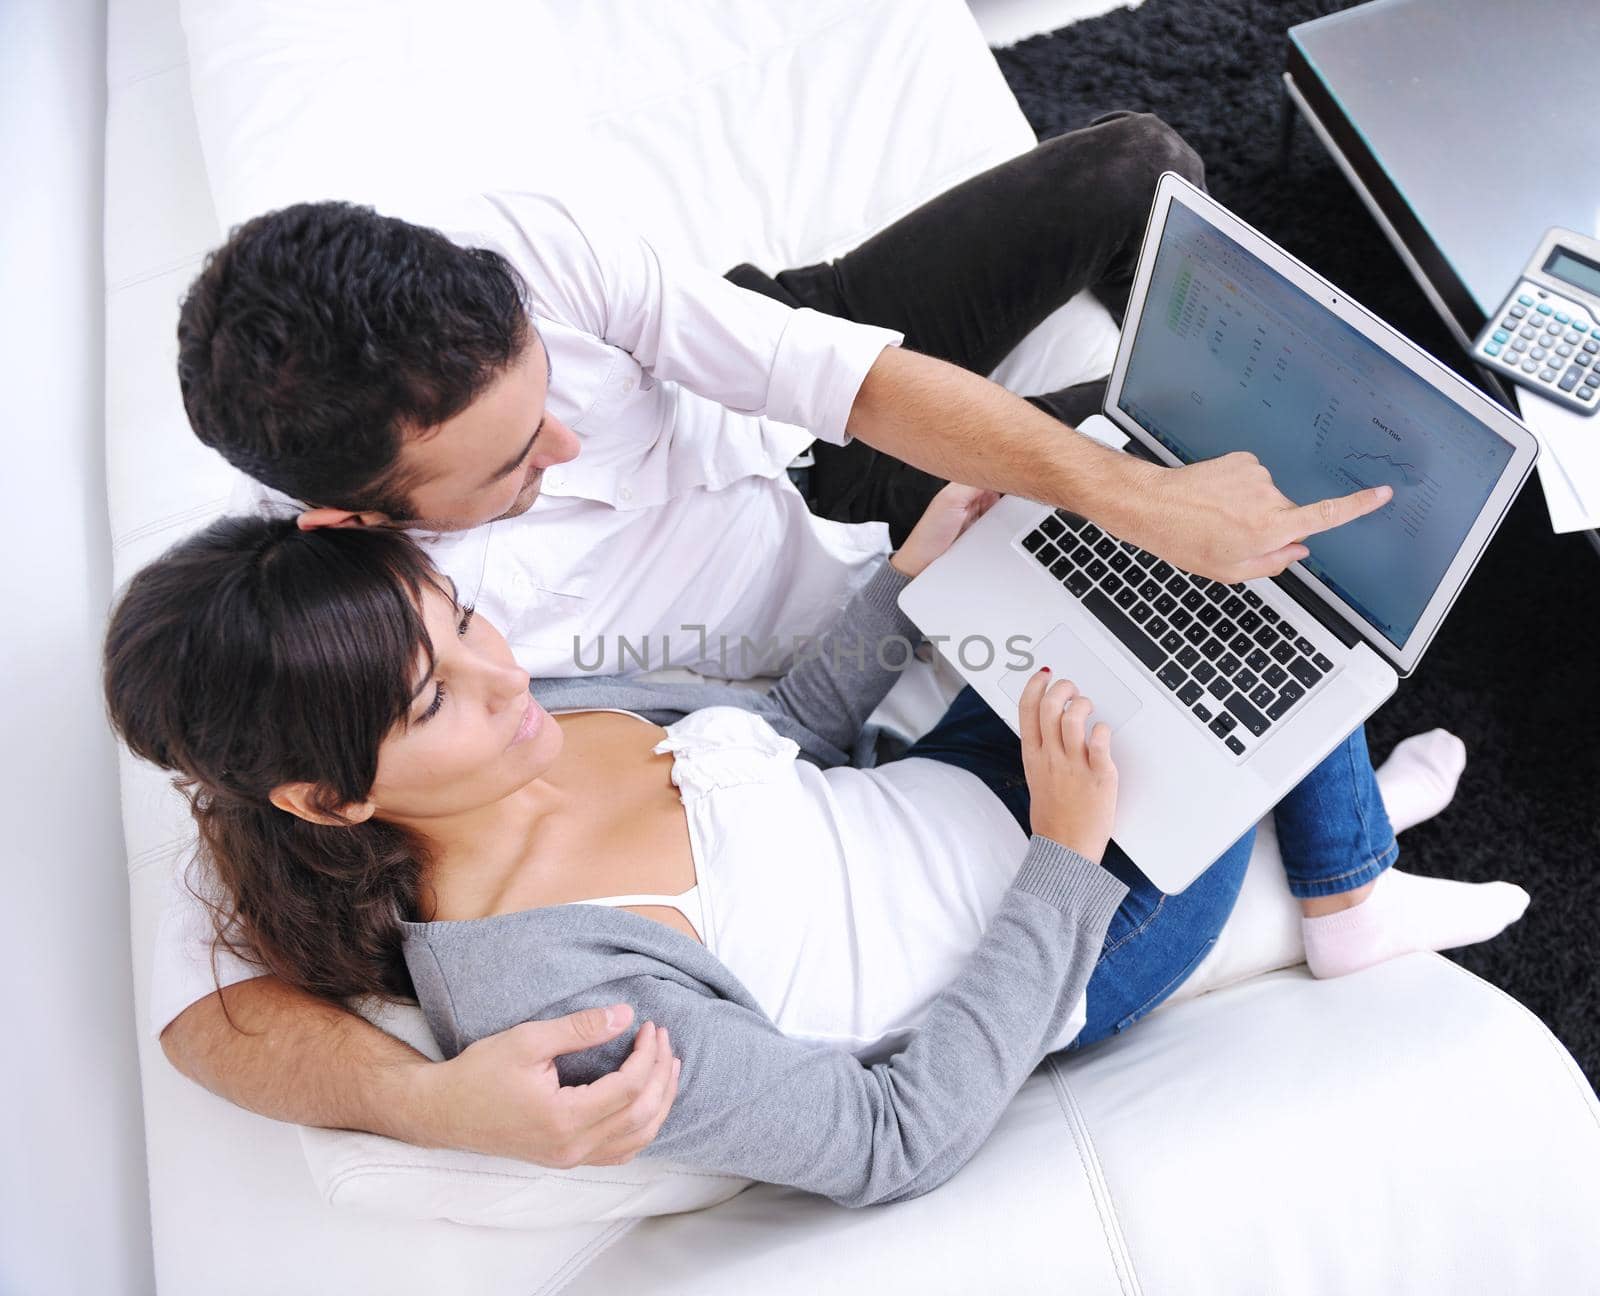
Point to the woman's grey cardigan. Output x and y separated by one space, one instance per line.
751 1101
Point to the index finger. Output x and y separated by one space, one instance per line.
1028 706
1324 515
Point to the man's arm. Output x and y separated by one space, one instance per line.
1222 518
294 1057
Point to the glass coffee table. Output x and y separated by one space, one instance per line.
1466 126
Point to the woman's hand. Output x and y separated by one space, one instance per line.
1071 779
948 514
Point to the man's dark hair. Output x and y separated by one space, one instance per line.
319 336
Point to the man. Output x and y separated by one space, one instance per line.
382 374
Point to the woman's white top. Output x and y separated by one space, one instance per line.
844 899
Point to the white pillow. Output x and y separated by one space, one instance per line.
373 1173
778 134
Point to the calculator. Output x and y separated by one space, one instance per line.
1547 333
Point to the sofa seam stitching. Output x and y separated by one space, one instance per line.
378 1167
123 83
146 529
144 276
585 1255
1099 1190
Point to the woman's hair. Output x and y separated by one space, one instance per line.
255 654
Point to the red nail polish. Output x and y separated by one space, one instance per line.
1045 669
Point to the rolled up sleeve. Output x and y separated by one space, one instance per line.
820 365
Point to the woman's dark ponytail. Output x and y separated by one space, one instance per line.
255 654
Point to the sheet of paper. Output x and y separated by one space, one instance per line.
1101 429
1569 461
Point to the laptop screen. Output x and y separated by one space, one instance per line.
1230 355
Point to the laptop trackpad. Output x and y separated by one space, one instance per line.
1068 657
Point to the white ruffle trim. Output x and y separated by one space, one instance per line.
725 747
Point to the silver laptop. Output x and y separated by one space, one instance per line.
1222 697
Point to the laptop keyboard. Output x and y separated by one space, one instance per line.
1236 663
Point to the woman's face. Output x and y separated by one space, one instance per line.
473 734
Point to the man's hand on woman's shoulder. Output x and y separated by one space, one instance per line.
279 1051
502 1096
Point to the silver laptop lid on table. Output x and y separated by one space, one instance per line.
1232 344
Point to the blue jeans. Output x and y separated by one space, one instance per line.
1333 833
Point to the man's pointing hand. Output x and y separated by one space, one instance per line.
1223 518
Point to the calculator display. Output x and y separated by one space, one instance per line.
1574 269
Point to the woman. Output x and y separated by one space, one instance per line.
859 967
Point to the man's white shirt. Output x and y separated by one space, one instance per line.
675 538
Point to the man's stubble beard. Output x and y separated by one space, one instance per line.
526 498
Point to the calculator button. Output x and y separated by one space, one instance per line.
1543 309
1532 366
1588 393
1519 344
1553 328
1525 300
1581 358
1578 326
1563 350
1563 318
1569 380
1501 335
1547 375
1538 353
1572 337
1530 331
1510 323
1517 312
1591 346
1491 348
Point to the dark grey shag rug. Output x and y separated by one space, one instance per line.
1516 669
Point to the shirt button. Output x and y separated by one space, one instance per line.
626 493
627 384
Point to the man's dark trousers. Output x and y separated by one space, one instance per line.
969 274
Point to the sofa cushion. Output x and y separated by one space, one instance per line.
1404 1129
779 135
774 134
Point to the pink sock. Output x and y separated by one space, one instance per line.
1406 913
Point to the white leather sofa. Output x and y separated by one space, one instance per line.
1407 1129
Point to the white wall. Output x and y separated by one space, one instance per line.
74 1212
